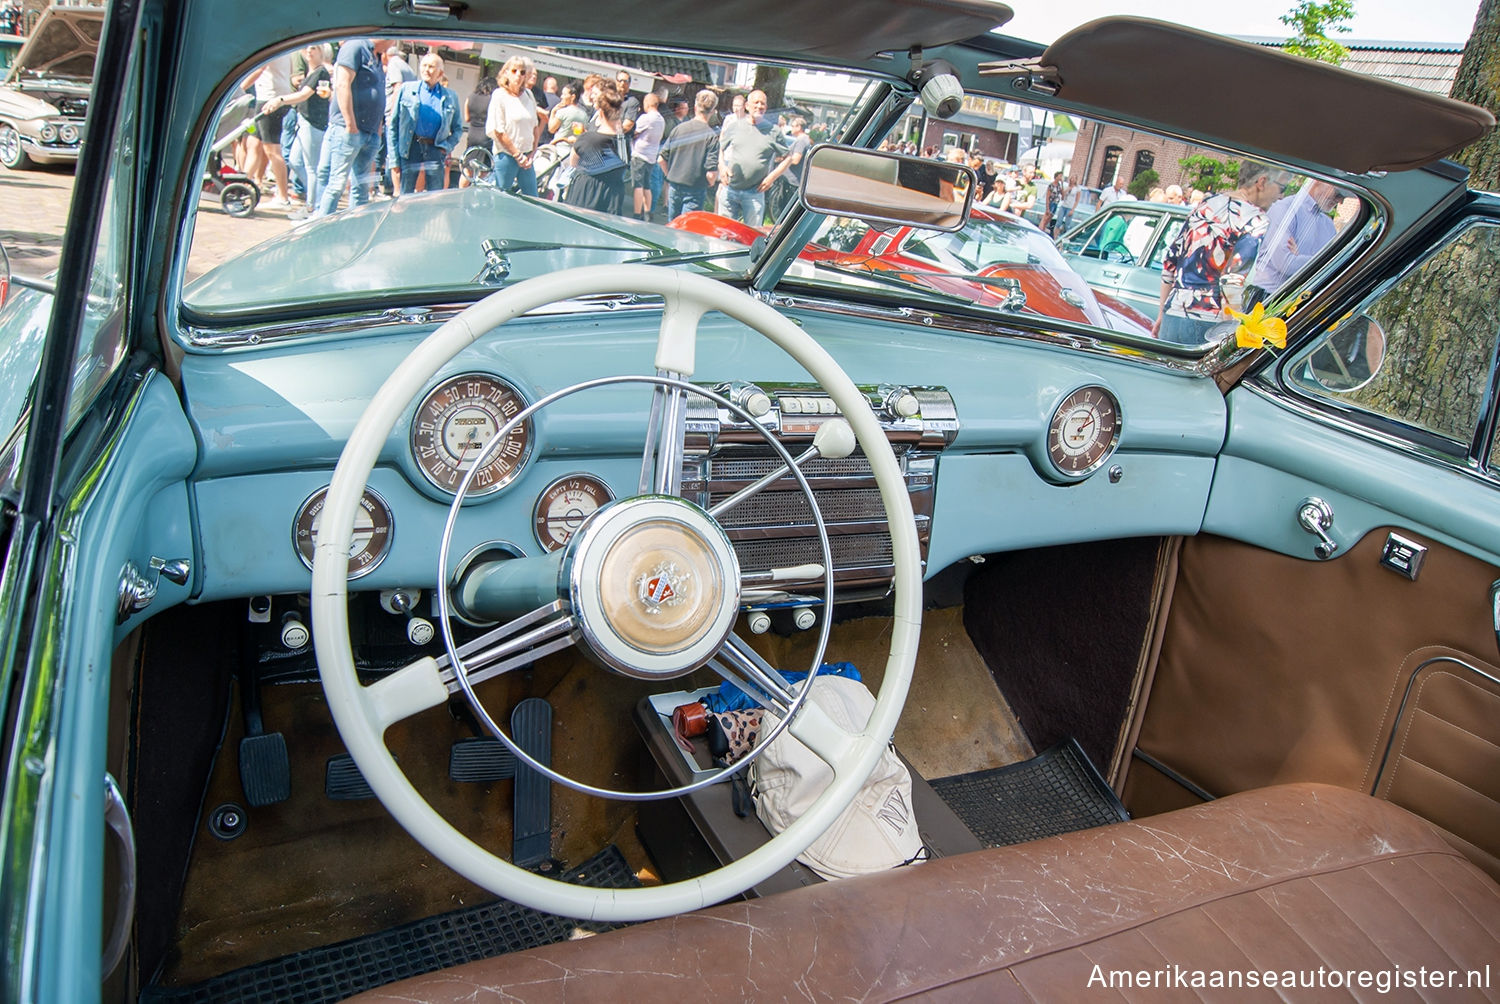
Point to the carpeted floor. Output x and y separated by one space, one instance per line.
310 871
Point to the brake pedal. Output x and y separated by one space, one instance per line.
531 729
342 780
481 759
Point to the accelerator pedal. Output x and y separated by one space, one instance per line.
481 759
531 729
265 769
342 780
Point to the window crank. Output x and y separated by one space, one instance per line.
1316 517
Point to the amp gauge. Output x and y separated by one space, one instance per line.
370 543
564 505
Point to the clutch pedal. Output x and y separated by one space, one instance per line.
265 769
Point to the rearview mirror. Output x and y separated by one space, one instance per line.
888 188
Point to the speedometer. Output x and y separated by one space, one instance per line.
455 422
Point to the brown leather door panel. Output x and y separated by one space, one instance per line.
1443 760
1277 669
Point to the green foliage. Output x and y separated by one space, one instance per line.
1312 23
1209 174
1142 184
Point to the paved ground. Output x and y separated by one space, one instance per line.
34 211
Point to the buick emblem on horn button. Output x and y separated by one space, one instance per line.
662 587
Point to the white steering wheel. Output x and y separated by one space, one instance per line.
363 713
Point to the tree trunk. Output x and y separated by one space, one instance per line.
1478 82
772 80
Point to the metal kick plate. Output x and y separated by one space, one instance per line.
1403 555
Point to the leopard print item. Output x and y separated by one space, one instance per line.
742 729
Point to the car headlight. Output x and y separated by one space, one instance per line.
69 133
49 133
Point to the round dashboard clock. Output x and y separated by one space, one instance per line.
1083 432
454 423
563 505
373 526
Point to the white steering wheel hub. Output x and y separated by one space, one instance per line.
654 585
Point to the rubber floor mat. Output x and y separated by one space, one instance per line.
1054 792
334 972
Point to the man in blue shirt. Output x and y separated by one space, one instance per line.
1297 228
355 120
425 126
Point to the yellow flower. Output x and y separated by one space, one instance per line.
1256 330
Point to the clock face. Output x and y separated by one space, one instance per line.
1083 432
564 505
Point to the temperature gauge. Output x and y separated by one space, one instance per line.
564 505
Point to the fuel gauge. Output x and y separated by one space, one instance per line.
564 505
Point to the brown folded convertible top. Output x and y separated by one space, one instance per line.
1195 84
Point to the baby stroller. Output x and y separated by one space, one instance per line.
549 160
237 191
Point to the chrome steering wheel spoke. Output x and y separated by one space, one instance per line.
514 644
743 667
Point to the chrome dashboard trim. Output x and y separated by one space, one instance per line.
234 337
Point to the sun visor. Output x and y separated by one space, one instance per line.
1239 95
842 32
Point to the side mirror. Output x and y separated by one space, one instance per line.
4 276
888 188
1349 356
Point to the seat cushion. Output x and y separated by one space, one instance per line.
1295 877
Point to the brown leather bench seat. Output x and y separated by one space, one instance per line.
1292 878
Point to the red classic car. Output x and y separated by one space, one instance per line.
996 260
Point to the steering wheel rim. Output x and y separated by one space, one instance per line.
362 714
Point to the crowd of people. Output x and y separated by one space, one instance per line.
317 124
320 124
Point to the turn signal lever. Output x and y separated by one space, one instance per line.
1316 517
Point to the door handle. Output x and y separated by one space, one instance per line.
1316 517
1110 273
117 818
1495 609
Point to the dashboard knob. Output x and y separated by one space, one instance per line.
757 403
419 630
760 622
904 404
804 618
294 633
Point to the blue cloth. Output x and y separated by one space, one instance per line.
367 90
732 698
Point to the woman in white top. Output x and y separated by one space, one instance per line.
512 124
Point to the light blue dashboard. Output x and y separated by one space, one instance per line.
270 425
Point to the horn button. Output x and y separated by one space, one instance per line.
655 586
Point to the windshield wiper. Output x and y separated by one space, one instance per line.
496 267
887 278
680 257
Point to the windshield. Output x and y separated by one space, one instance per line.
389 172
377 169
